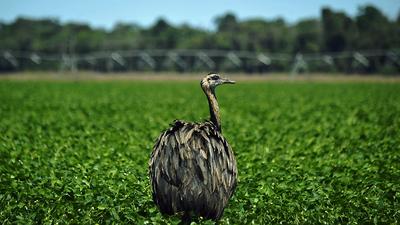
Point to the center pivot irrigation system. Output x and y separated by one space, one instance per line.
200 60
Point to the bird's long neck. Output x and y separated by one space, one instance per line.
214 108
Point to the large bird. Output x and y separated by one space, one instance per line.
192 167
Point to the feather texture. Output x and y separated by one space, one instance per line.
192 169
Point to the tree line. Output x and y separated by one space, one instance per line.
333 31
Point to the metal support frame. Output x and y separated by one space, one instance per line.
203 57
361 59
11 59
264 59
174 57
234 59
299 64
147 59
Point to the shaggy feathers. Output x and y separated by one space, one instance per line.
198 172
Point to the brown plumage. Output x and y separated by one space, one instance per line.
192 167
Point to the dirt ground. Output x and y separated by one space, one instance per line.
165 76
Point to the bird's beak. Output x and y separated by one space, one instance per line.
227 81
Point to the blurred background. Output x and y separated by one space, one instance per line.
315 36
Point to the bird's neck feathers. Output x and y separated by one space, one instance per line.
214 108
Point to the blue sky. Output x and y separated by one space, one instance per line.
102 13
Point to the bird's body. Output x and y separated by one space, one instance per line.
192 166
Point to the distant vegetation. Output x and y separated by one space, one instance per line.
332 32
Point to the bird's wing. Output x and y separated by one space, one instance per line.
195 163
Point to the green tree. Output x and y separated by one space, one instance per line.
307 36
226 36
226 23
160 36
260 35
124 36
192 38
339 31
375 29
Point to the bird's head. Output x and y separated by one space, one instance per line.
212 80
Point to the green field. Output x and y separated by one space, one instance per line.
307 153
